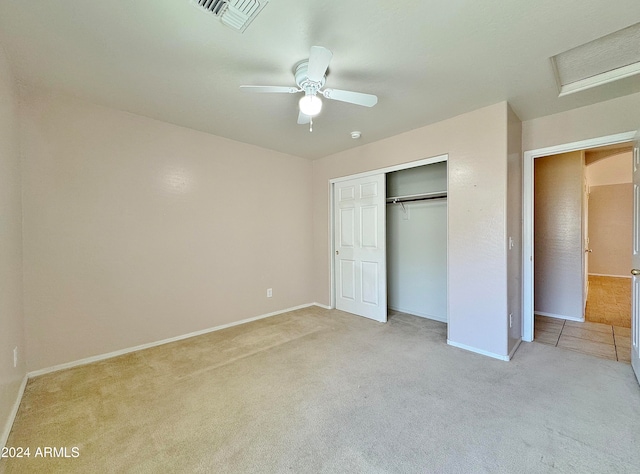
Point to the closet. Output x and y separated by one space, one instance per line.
416 211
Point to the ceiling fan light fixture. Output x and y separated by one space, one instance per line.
310 105
310 76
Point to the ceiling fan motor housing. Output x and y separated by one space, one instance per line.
302 79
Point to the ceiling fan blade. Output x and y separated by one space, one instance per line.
319 59
358 98
281 89
303 119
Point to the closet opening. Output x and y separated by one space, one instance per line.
416 231
388 246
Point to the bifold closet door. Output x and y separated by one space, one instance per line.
359 242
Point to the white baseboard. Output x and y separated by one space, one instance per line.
322 305
478 351
610 276
419 313
14 411
109 355
515 348
559 316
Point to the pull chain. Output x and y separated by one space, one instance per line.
310 124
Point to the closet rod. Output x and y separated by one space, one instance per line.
417 197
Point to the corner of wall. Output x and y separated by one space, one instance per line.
12 341
514 228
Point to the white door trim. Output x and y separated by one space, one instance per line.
388 169
527 211
635 263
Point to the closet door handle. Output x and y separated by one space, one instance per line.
337 252
635 272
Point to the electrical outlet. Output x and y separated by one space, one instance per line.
15 356
510 320
269 292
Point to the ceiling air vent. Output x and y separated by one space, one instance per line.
236 14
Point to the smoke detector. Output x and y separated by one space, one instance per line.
355 135
236 14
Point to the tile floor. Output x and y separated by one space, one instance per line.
597 339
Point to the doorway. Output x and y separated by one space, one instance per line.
528 232
417 241
609 172
583 212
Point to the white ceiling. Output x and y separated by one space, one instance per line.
425 60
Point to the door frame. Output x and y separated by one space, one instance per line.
585 238
527 214
389 169
635 291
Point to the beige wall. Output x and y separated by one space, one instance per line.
598 120
610 229
558 239
137 230
514 226
615 169
11 319
477 278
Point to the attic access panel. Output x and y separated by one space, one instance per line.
606 59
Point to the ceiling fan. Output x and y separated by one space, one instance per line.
310 77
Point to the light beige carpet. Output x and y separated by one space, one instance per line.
323 391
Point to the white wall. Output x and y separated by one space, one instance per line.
476 143
558 235
136 230
417 243
11 316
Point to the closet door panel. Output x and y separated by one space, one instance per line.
369 219
347 280
370 278
359 241
347 227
